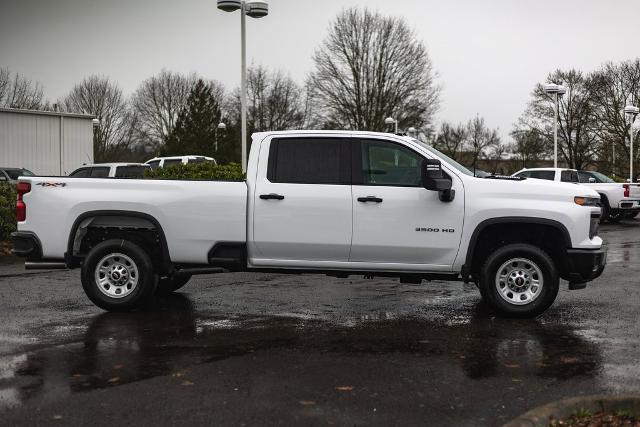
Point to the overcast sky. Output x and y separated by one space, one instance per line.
488 53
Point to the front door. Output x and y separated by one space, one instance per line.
302 202
395 219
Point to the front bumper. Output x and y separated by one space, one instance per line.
584 265
26 244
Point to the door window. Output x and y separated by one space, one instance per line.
133 172
569 176
101 172
154 164
548 175
389 164
309 161
171 162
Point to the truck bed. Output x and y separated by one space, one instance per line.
194 215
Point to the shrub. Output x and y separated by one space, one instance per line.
7 210
199 171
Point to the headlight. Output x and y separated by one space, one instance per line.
587 201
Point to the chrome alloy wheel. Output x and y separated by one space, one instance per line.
116 275
519 281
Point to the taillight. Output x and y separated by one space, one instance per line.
21 209
626 189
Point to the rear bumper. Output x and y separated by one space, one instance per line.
26 244
629 205
584 265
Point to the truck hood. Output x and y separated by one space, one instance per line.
534 189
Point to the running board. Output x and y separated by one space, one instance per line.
29 265
202 270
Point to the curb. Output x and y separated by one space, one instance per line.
540 416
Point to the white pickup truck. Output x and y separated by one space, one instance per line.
334 202
617 200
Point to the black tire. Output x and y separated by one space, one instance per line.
137 265
526 254
604 211
166 285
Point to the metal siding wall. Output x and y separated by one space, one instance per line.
78 143
32 141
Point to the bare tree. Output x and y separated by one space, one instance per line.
370 67
577 141
480 138
275 101
157 103
451 140
611 88
17 91
528 145
102 98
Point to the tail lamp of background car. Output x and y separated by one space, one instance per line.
21 209
627 189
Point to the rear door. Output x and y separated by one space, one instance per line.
395 219
302 201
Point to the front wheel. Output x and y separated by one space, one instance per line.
519 280
118 275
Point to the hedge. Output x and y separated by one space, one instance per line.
199 171
7 210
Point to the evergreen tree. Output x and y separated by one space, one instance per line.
196 130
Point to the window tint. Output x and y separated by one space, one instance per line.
569 176
385 163
600 178
154 164
81 173
171 162
197 160
548 175
309 161
135 172
525 174
17 173
101 172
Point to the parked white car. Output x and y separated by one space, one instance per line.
111 170
617 200
163 162
336 202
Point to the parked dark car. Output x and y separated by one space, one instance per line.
12 174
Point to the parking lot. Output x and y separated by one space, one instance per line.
275 349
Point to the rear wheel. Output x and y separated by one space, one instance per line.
632 215
519 280
170 284
118 275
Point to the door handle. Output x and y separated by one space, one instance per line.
370 199
271 196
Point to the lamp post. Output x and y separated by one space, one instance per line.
632 112
391 121
557 91
221 128
253 9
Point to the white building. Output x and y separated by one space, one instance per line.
45 142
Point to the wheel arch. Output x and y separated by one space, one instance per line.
471 261
114 219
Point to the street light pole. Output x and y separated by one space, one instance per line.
253 9
632 112
557 91
243 86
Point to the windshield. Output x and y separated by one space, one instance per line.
599 177
449 160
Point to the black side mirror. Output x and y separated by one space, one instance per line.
433 179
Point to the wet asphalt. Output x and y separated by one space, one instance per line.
267 349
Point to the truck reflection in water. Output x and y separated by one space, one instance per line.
169 337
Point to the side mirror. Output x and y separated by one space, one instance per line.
433 179
592 180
